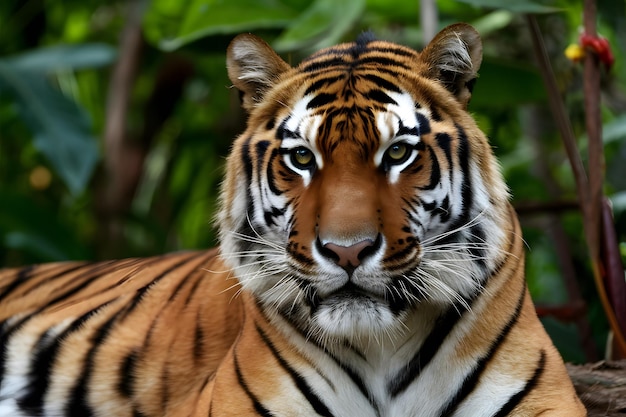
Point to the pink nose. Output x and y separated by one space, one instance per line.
349 256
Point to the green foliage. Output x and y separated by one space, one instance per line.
517 6
171 24
56 79
60 128
325 22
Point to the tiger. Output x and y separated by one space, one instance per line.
370 263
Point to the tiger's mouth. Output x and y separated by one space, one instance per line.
353 312
349 293
398 294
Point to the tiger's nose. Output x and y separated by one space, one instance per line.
350 257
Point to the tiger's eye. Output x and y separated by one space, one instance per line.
397 152
302 158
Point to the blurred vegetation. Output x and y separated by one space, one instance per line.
76 185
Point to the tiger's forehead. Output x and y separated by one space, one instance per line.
359 120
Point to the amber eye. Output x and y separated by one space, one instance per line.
397 153
302 158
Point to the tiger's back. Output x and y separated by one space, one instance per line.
379 266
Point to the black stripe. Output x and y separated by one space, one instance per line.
325 64
317 404
401 255
281 132
30 272
358 381
126 383
444 210
427 351
166 381
42 366
380 60
467 193
530 384
435 171
139 293
435 114
201 274
406 130
269 172
476 250
6 332
258 407
270 215
423 124
260 149
404 293
379 96
444 141
22 276
246 160
195 277
382 82
326 81
292 249
393 49
198 339
463 153
471 380
429 206
84 280
78 403
320 100
313 301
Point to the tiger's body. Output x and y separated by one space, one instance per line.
379 266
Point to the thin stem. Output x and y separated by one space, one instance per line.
588 190
429 19
591 87
558 110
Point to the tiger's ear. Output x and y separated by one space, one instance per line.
454 56
253 67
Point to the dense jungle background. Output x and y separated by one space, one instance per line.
116 116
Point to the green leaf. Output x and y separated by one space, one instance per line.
61 129
614 130
619 201
171 24
44 248
518 6
506 84
492 22
322 24
405 11
62 57
33 226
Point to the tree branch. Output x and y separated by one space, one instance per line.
587 189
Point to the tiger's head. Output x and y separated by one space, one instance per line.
361 190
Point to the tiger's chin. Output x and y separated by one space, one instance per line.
356 317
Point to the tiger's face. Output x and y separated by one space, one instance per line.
361 189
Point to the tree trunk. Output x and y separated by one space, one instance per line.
602 387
